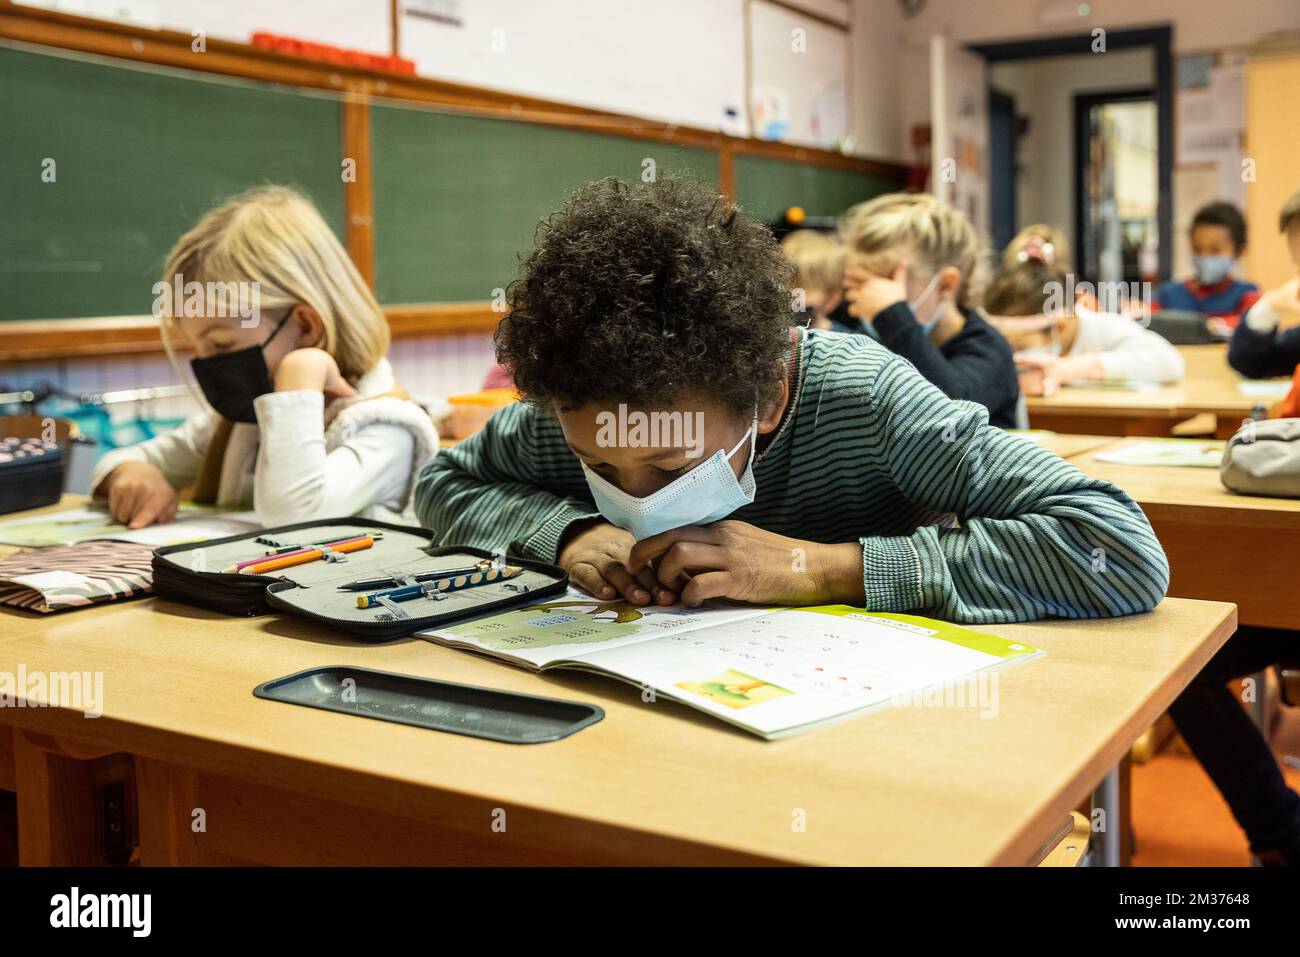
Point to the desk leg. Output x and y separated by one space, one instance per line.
1108 843
60 786
7 758
167 798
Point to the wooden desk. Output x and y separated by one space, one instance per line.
1211 387
1143 412
1064 445
1221 546
1208 361
651 783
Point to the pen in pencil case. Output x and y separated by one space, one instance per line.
332 544
286 549
438 585
302 558
367 584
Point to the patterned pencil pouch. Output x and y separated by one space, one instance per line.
74 576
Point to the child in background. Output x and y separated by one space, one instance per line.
819 261
1218 237
1056 341
660 299
1040 243
1037 243
307 420
1267 341
913 281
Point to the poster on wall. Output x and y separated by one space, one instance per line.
1211 119
959 123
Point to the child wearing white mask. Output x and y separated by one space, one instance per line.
914 281
1057 341
681 441
1218 238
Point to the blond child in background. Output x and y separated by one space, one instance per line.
914 280
819 261
306 419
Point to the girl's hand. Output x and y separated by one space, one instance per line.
596 558
731 559
1043 374
311 370
869 295
139 495
1085 365
1037 373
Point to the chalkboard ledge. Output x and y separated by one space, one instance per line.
34 339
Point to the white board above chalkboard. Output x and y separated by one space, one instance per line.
681 61
799 75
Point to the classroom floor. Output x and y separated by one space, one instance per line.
1180 818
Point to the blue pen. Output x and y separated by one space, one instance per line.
451 583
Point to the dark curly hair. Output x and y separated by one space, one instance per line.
1222 214
648 293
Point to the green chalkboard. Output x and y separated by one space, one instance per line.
138 156
765 187
458 198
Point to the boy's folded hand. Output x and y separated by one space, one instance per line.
596 559
736 560
139 495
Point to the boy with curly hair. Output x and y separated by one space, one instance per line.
793 466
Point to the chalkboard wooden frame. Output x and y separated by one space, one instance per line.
28 25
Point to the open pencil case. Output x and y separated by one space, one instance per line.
194 573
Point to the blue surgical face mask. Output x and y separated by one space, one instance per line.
707 493
927 325
1211 270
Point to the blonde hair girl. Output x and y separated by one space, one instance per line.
306 418
915 273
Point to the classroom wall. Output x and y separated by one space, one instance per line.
1274 147
684 62
879 92
438 366
1199 26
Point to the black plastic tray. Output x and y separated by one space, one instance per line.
504 716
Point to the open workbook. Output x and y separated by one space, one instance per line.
71 526
773 672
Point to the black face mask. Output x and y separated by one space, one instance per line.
232 380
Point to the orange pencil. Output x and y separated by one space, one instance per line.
275 564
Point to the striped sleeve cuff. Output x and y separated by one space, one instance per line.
544 543
893 577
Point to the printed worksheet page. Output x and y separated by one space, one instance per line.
787 670
577 625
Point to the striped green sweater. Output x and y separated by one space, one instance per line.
957 520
